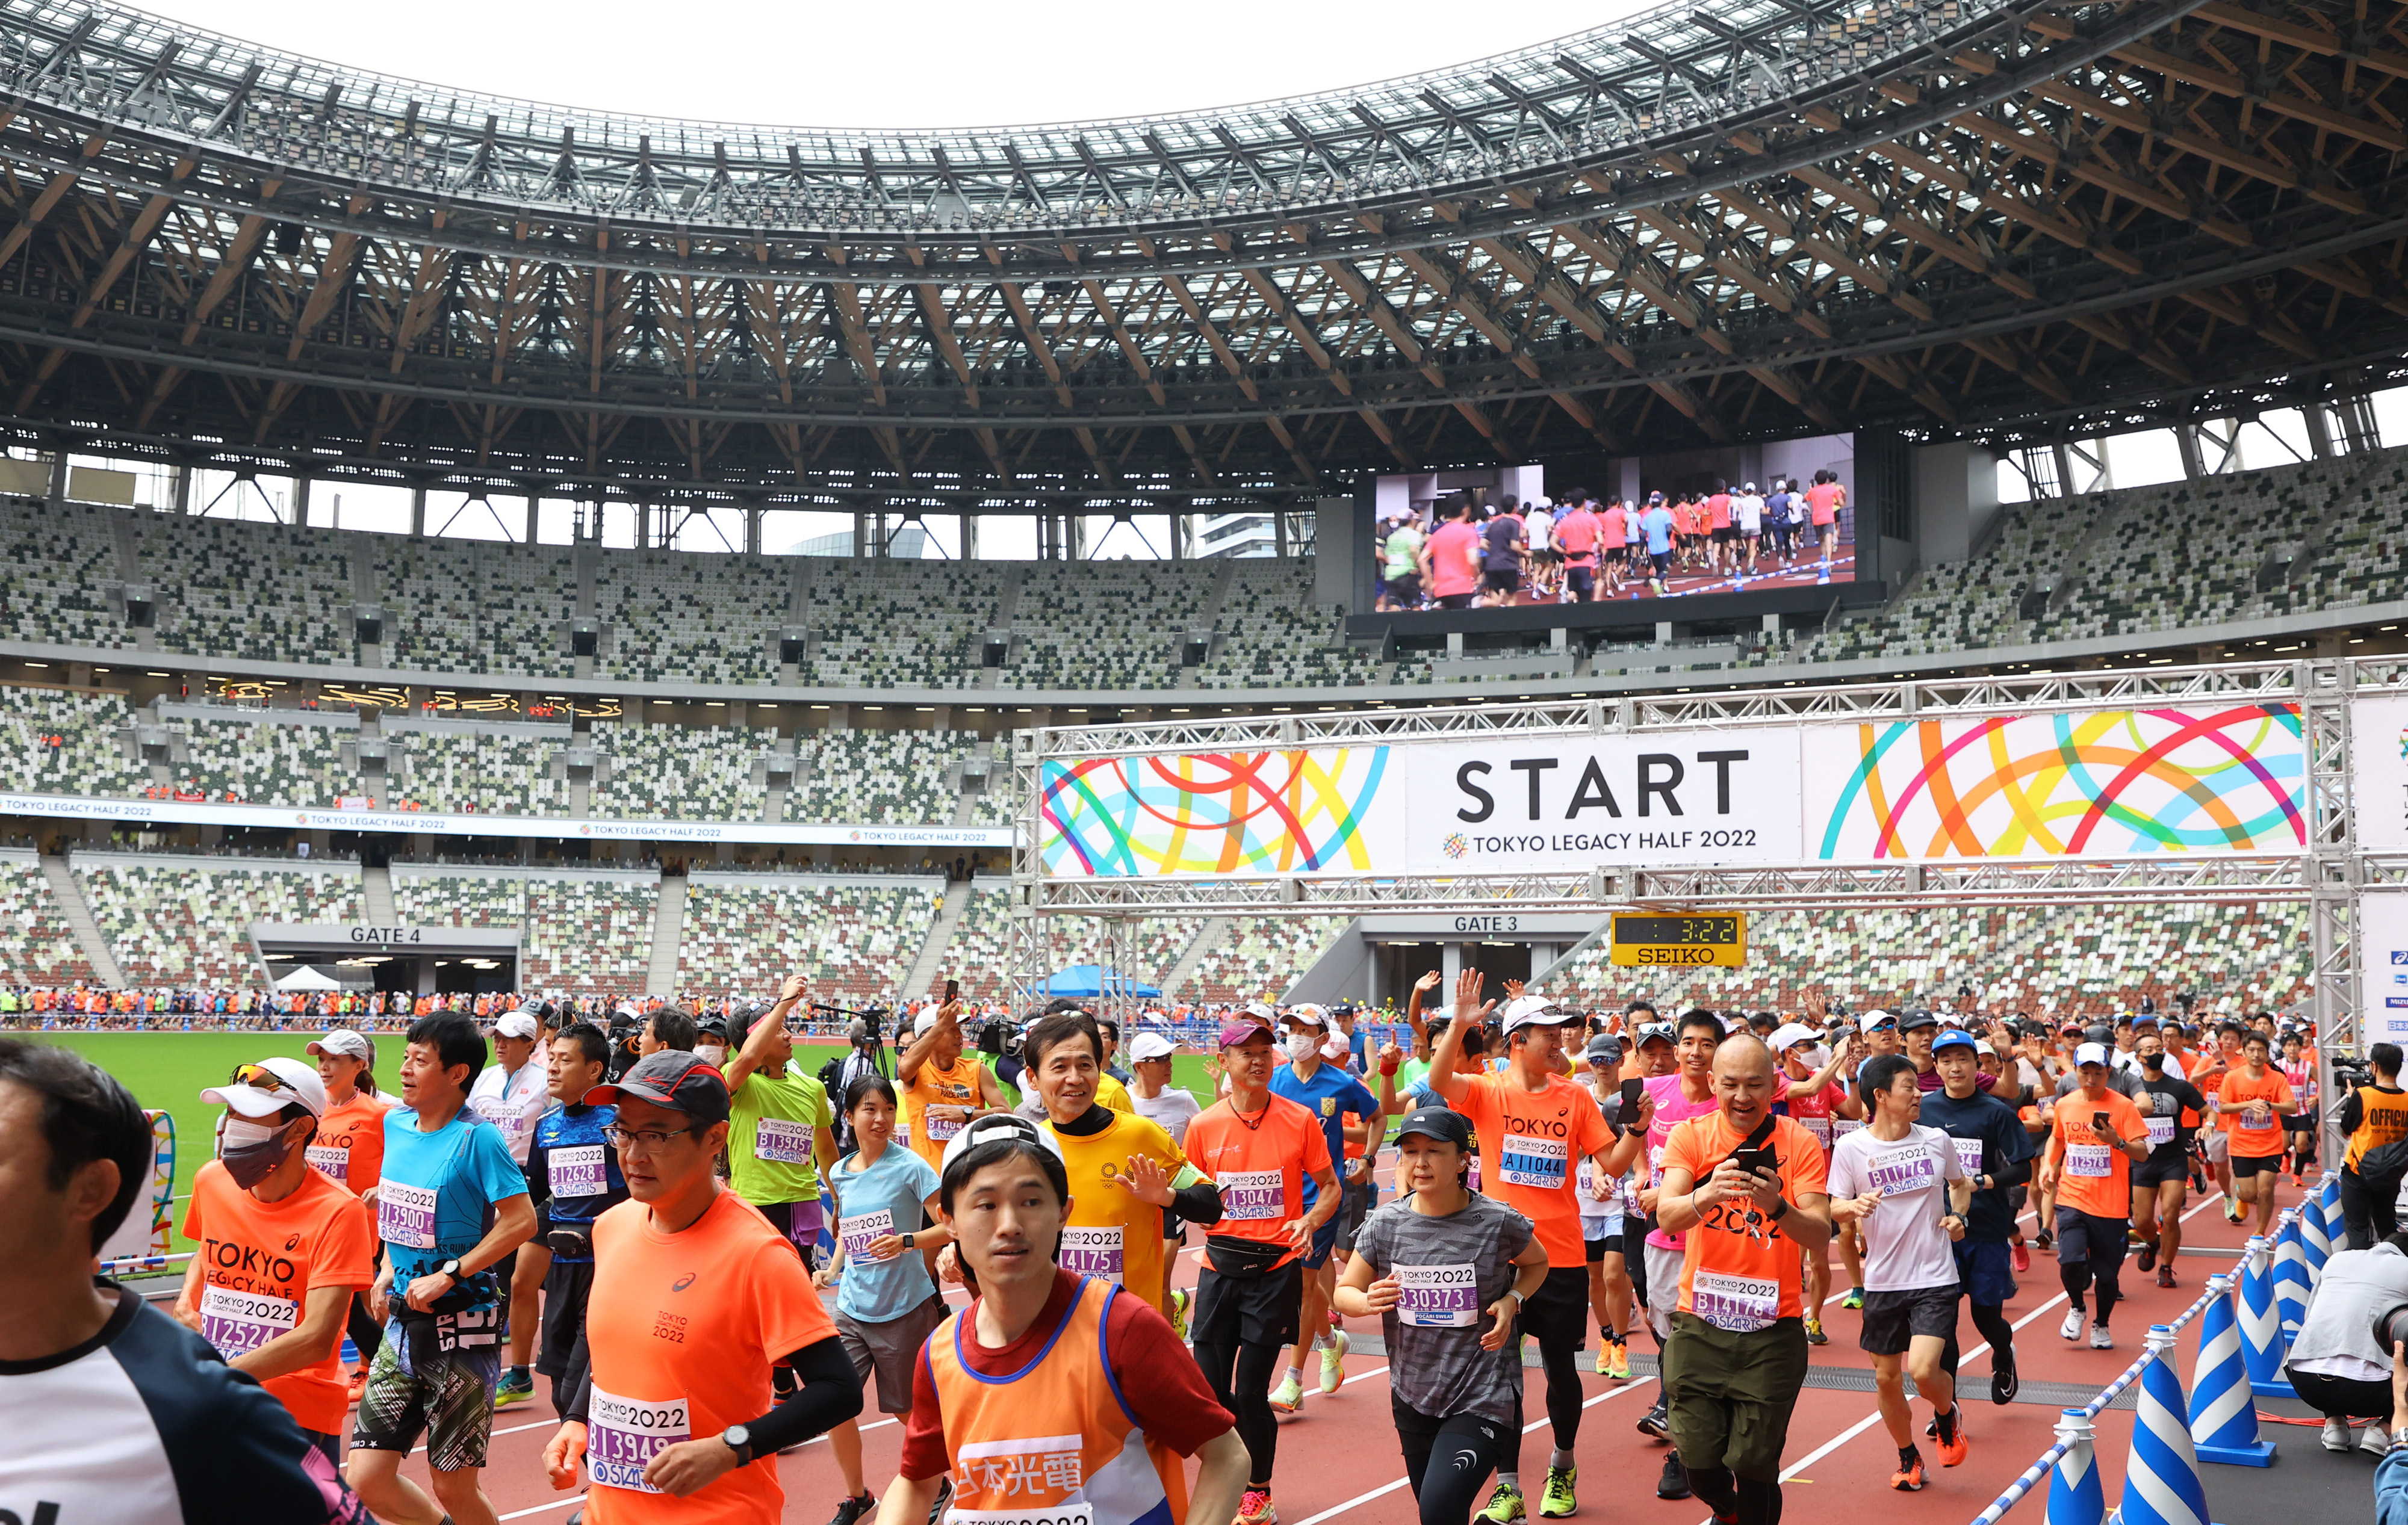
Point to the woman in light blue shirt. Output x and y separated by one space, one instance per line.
886 1304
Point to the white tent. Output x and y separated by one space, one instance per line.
306 978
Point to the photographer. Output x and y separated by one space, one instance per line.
2372 1117
2338 1365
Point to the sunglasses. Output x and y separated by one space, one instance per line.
260 1078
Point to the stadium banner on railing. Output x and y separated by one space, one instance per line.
2378 767
185 812
2108 783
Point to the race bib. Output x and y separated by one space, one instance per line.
1820 1127
1655 1164
2249 1125
1969 1156
1090 1252
1254 1196
938 1130
1541 1163
1065 1513
2161 1131
1738 1304
623 1434
1438 1296
580 1171
1842 1127
2088 1158
332 1160
1471 1178
239 1324
1033 1468
406 1215
497 1111
779 1142
1906 1171
858 1232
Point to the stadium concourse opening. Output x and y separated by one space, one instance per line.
414 959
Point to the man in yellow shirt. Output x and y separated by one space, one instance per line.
942 1086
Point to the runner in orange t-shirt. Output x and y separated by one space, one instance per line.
350 1151
694 1295
1738 1356
283 1250
1538 1126
2094 1187
1258 1149
2255 1100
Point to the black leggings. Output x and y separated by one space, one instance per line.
365 1332
1562 1365
1467 1448
2367 1214
1991 1320
2077 1276
1745 1500
1247 1397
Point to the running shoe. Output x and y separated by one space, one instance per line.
2044 1241
2148 1257
2004 1382
1814 1334
1605 1358
1675 1484
2022 1256
2101 1339
1178 1301
2165 1275
1333 1363
1908 1478
516 1387
2070 1330
852 1510
1555 1500
2337 1436
944 1497
1621 1371
1336 1322
1289 1395
1656 1424
1505 1506
1952 1452
2375 1440
1855 1301
2232 1213
1254 1507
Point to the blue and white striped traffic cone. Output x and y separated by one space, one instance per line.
2223 1410
2075 1494
2161 1484
2291 1284
2261 1325
2316 1239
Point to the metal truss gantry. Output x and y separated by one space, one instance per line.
2329 875
2008 219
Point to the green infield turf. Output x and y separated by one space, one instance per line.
168 1070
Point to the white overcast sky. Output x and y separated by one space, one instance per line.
869 63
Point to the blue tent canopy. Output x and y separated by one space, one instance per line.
1094 981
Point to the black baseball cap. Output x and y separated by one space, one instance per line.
674 1078
1443 1123
1916 1021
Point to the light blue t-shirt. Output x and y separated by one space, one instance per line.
436 1195
884 1197
1329 1095
1657 522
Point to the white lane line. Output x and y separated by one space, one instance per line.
543 1508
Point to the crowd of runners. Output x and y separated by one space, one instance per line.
632 1235
1581 549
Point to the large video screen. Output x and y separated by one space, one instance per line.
1732 520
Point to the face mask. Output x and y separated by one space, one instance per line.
1299 1048
710 1053
251 1151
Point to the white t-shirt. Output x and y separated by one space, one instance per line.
1540 527
1905 1247
514 1102
1748 510
1174 1109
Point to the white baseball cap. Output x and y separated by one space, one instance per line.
1790 1035
1333 1047
342 1040
285 1083
1151 1045
1310 1015
1536 1011
927 1019
2090 1053
518 1024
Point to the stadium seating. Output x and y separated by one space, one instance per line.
586 932
1273 636
264 762
980 955
455 768
679 773
89 758
690 617
52 564
264 592
476 607
186 922
1257 959
880 778
852 937
902 624
37 944
1105 624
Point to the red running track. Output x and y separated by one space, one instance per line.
1338 1462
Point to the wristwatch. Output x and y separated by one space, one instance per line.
910 1240
1780 1209
737 1439
449 1268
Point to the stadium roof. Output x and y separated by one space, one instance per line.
1996 218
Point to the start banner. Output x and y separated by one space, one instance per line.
2082 784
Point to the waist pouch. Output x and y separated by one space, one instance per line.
1241 1259
437 1333
570 1244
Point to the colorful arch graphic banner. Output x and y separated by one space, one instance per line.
2101 783
1242 814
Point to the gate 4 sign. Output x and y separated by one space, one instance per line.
1696 940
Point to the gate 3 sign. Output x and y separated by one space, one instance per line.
2103 783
